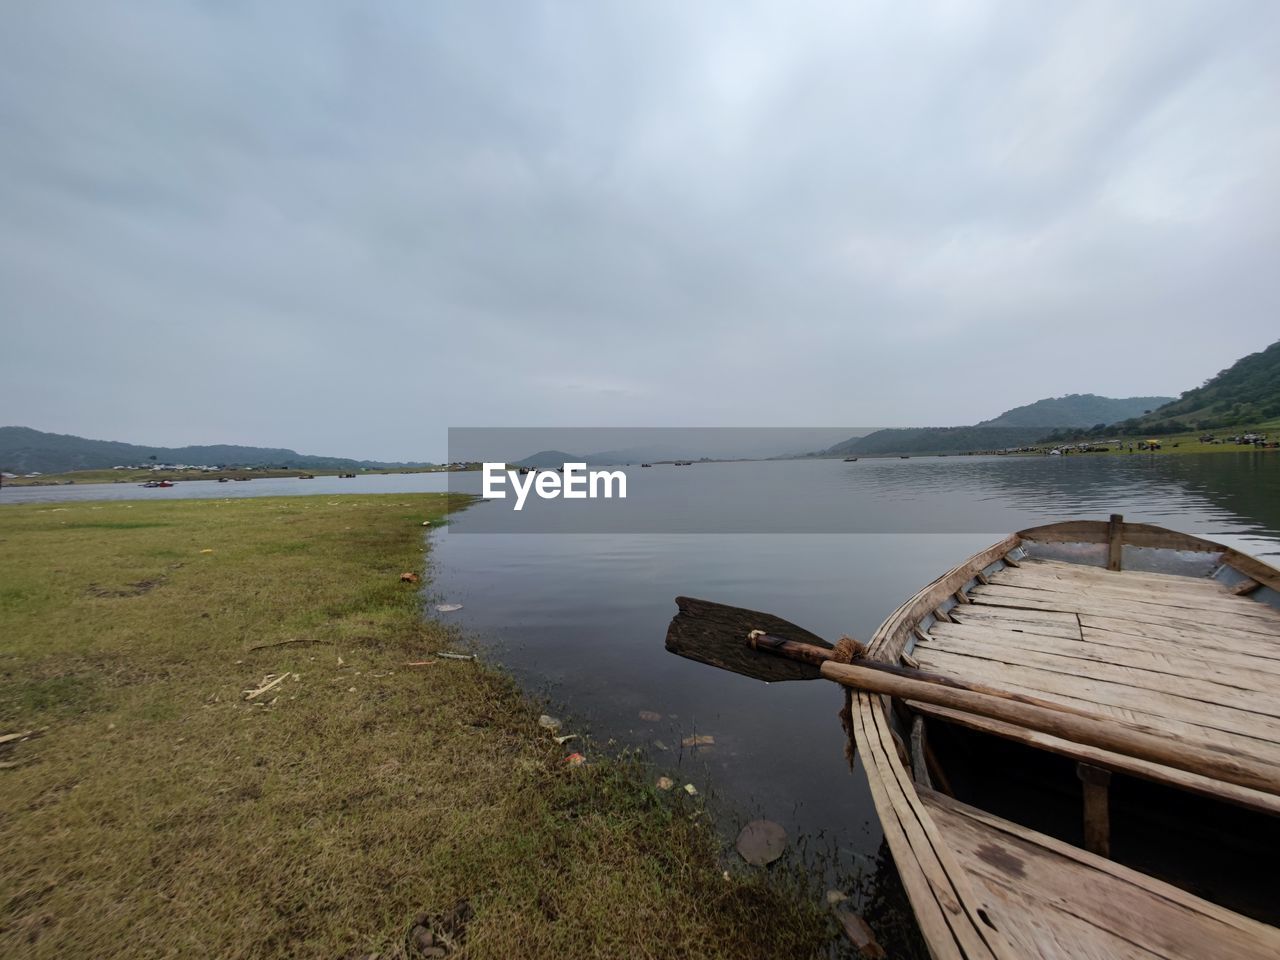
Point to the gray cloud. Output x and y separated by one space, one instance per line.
345 227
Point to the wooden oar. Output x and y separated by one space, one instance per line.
745 641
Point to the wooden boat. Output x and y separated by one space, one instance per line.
1072 740
850 459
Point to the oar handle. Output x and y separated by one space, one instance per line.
1105 733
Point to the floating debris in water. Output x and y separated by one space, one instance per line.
648 716
665 783
660 745
448 607
698 740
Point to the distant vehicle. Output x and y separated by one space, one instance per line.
154 484
306 476
222 479
646 464
850 459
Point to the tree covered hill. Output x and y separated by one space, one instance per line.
1019 427
1076 410
1246 393
24 450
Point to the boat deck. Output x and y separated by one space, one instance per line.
1182 655
1050 899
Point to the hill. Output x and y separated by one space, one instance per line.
24 450
1076 410
920 440
1019 427
1245 393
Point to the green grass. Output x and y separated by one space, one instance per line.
1189 442
161 814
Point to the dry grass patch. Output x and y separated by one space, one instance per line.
163 814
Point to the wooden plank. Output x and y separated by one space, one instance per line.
1182 898
1239 612
1257 735
1217 600
1060 885
1243 796
1153 655
946 881
1010 619
1162 582
1095 783
893 634
1146 535
1245 587
1148 613
1246 650
1239 641
1173 581
1200 590
1115 541
1197 686
928 911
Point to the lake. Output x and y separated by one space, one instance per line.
580 617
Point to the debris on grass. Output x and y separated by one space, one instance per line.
648 716
269 682
420 663
409 577
281 643
698 740
665 783
447 607
566 738
575 760
690 789
547 722
456 656
761 842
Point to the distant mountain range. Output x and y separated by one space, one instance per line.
24 450
1021 426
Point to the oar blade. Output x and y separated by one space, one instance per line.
716 634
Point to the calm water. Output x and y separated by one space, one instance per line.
581 616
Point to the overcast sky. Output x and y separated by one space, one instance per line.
343 228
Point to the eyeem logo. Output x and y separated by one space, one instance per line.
577 483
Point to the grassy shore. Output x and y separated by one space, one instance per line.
1189 442
158 812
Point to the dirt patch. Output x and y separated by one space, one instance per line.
136 589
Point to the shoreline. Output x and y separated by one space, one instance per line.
160 807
